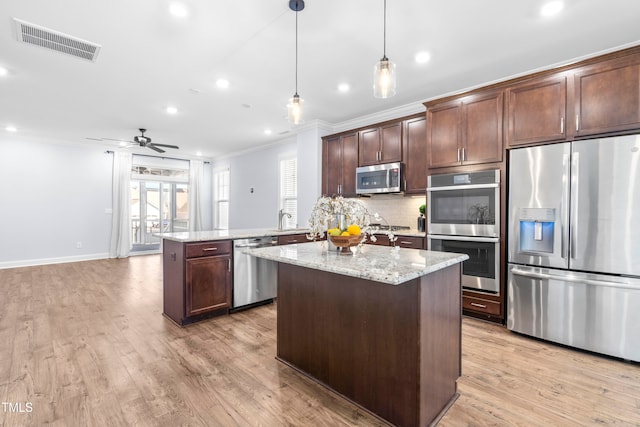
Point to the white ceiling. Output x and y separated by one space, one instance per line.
150 59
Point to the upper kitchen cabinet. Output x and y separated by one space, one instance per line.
607 96
415 154
537 111
339 163
465 131
381 144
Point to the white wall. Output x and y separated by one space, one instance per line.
259 170
53 196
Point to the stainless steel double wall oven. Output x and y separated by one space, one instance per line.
463 216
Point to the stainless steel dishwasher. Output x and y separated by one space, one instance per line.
254 279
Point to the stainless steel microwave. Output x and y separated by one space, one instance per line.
385 178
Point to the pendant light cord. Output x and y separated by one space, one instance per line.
384 32
297 52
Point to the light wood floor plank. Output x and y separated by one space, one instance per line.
86 344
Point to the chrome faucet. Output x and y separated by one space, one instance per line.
281 215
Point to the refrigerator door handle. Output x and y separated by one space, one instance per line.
575 178
544 276
564 244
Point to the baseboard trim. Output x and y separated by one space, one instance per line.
45 261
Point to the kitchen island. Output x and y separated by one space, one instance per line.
381 327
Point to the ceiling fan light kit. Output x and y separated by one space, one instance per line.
294 107
384 72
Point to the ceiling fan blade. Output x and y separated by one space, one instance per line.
118 140
164 145
93 139
153 147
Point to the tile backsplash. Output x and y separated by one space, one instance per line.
396 209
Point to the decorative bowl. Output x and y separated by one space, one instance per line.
345 242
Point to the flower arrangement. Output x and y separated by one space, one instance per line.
329 212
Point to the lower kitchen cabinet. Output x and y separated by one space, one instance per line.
410 242
479 305
292 239
197 279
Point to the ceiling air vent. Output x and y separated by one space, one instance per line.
55 40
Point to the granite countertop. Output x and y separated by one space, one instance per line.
412 232
201 236
384 264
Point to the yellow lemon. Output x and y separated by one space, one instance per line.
345 233
334 232
354 230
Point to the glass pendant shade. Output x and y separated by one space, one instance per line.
294 109
384 79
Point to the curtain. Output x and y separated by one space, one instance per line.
196 187
120 199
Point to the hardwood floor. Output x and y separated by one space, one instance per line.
85 344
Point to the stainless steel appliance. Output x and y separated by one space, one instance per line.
481 272
254 279
464 204
385 178
463 215
574 244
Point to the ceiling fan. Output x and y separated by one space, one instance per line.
142 141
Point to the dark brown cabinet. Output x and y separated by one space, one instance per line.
415 154
197 279
381 144
481 306
537 111
291 239
607 96
410 242
465 131
339 163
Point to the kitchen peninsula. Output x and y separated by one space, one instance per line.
381 327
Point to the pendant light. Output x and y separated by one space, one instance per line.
294 107
384 72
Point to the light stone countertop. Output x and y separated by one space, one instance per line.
202 236
384 264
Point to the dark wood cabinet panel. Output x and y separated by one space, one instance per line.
291 239
466 131
381 144
481 305
410 242
339 163
369 147
537 111
196 284
482 129
443 134
607 96
208 284
415 155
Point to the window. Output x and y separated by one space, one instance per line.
289 191
159 200
221 199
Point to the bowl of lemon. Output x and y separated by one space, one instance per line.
344 239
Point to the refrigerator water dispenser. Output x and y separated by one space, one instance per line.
537 229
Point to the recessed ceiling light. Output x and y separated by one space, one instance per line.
172 110
178 9
551 8
3 71
343 87
198 153
11 129
122 144
422 57
222 83
267 131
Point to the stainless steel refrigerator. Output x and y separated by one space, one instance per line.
574 244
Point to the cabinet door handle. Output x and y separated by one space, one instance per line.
475 304
458 155
464 154
404 242
209 249
229 265
577 122
561 124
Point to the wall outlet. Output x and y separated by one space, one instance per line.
79 245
